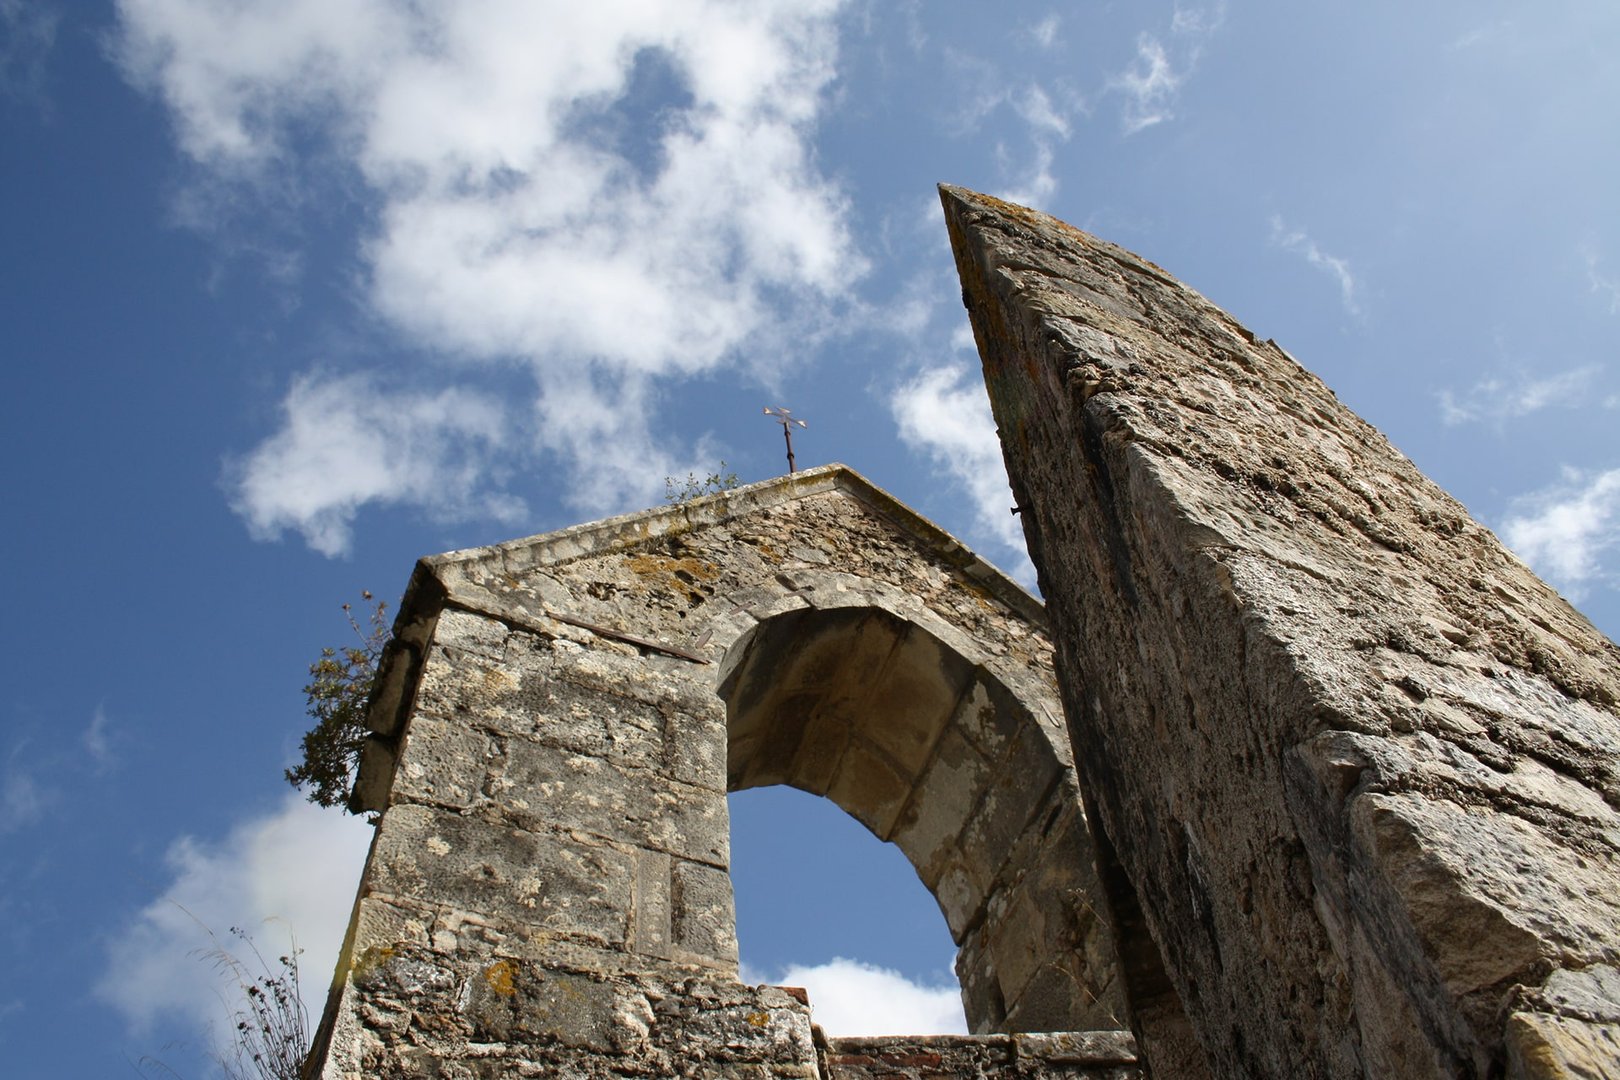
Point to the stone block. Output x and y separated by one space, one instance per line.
913 701
822 746
454 685
431 856
1543 1047
443 764
703 917
930 829
870 788
543 787
472 633
1021 785
516 1002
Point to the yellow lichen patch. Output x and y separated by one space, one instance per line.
662 564
686 576
1024 213
373 958
502 977
498 682
981 595
759 1019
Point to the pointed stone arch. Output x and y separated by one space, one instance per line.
924 745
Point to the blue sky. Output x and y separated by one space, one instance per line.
295 292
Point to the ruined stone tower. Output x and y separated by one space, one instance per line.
1354 769
559 721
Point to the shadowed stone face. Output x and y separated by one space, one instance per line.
549 886
1359 767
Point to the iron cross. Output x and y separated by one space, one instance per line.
787 420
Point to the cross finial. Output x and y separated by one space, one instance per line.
787 420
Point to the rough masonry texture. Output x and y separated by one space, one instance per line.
1356 769
558 722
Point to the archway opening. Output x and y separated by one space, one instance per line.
928 749
822 903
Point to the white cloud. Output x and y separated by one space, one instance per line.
1034 106
1604 285
22 800
349 440
1564 531
849 997
1033 182
1198 23
1296 241
1045 32
1496 398
1044 111
1151 86
1502 28
945 413
530 209
96 741
291 871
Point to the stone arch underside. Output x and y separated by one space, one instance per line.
932 752
560 720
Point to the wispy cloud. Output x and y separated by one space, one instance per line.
944 412
1566 531
1151 85
849 997
1047 122
27 35
1036 109
1031 119
1298 242
97 741
1497 398
532 211
1044 32
1604 285
1031 181
22 800
1479 35
293 870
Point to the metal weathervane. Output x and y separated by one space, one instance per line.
787 420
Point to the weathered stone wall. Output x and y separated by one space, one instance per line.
560 721
1359 767
1096 1055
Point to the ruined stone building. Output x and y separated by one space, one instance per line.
1298 773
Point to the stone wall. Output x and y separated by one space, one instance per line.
1097 1055
559 722
1358 770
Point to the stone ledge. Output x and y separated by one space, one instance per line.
1109 1054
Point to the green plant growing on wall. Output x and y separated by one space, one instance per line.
684 491
338 692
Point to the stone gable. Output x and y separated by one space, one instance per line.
560 720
